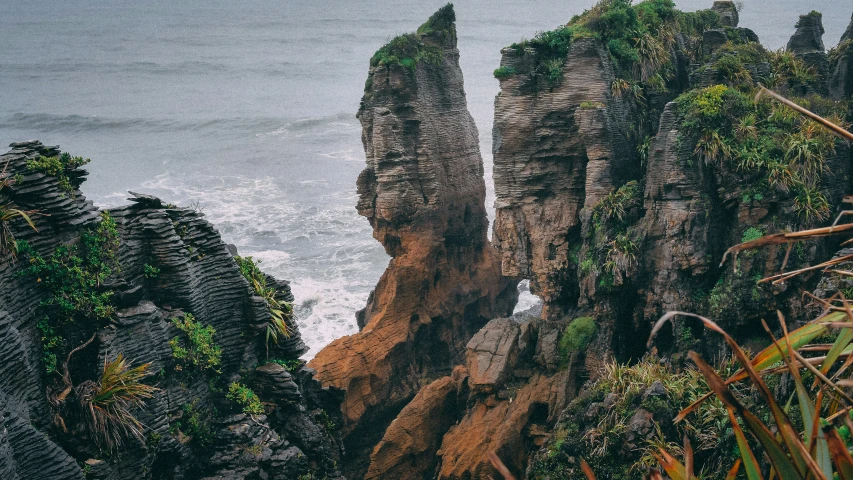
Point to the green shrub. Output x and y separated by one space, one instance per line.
408 50
591 105
58 167
776 148
150 271
326 422
751 233
601 439
9 211
291 365
245 398
439 22
550 49
198 350
613 251
73 275
194 424
502 73
110 401
576 336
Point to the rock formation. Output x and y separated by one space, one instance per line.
423 192
728 13
627 159
602 202
554 157
807 43
171 262
841 66
502 400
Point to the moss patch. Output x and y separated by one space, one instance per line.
576 336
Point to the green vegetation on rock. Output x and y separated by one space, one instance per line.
613 251
576 336
109 402
246 398
150 271
502 73
751 233
9 212
58 167
409 49
73 275
776 147
195 424
198 349
626 414
638 37
280 312
291 365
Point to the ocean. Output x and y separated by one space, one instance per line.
247 109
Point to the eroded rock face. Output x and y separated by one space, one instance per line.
554 157
407 449
807 43
197 275
423 193
841 66
727 11
502 401
809 35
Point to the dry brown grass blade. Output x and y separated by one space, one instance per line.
833 386
838 131
732 475
587 470
499 466
814 468
780 238
772 447
654 475
840 456
688 458
779 278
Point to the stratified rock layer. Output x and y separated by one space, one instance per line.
841 66
423 193
807 43
557 150
198 275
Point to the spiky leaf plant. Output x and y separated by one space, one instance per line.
280 312
8 212
108 404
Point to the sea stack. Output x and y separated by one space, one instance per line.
423 193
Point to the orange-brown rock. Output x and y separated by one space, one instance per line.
423 192
505 401
506 427
407 449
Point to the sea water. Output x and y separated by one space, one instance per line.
246 109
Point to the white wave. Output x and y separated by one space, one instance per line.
526 300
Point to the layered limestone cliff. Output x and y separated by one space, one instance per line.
621 177
841 66
170 262
423 192
807 43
